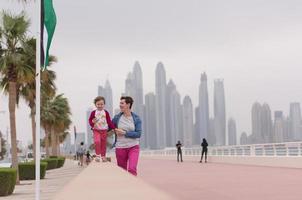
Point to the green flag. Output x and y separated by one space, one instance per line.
50 21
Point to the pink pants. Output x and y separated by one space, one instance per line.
100 141
127 158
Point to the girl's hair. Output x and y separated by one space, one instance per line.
99 98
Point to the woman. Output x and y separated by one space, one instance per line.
204 145
128 131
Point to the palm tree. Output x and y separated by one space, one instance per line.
28 92
13 33
55 118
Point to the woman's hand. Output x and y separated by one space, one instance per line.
120 132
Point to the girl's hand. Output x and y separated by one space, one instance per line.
94 120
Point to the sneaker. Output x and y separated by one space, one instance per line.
97 159
104 159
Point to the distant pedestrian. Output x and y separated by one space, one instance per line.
179 151
88 158
81 152
204 145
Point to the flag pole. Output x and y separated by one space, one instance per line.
38 87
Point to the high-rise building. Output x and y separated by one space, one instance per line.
160 90
151 121
196 136
266 124
177 132
232 132
295 121
170 111
138 87
262 128
243 139
134 88
278 127
106 92
188 121
256 123
211 135
219 112
88 128
67 145
203 123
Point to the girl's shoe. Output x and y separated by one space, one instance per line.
97 159
104 159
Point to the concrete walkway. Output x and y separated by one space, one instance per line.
53 182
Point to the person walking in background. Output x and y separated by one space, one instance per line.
204 145
81 152
88 158
179 151
100 123
128 131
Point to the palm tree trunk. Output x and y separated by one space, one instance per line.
47 141
58 144
53 143
12 98
33 126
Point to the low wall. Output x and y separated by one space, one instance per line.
107 181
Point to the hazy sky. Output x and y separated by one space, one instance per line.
254 45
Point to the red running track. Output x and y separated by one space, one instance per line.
209 181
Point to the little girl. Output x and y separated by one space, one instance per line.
100 123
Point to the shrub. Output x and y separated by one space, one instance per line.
27 171
8 178
61 161
52 163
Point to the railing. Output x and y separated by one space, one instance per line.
269 149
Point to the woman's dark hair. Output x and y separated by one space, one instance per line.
128 100
204 140
99 98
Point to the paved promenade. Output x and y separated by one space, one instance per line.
54 182
165 179
192 180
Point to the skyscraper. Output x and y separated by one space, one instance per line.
67 145
261 123
151 121
129 86
177 132
266 124
278 127
188 121
88 129
160 90
203 123
243 139
106 92
196 136
256 123
170 123
134 88
232 132
219 112
138 87
295 121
